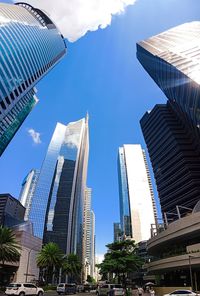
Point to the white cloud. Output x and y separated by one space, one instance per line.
99 258
35 136
76 17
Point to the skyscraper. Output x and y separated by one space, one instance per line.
171 131
27 191
175 157
92 244
117 231
30 47
89 236
58 201
172 59
124 205
137 206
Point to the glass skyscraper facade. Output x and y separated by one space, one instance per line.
58 201
27 191
117 231
30 46
125 216
175 156
172 59
171 130
137 205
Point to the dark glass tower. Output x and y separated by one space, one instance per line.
117 231
58 200
172 59
171 131
30 47
175 156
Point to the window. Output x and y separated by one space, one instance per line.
29 286
182 292
14 285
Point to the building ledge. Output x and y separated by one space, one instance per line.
181 261
183 229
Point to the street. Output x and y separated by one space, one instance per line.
54 293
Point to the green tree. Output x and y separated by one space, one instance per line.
9 248
120 259
50 258
91 280
72 267
9 251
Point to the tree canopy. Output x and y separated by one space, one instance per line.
72 265
50 256
51 259
120 259
9 248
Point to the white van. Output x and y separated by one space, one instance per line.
110 290
64 288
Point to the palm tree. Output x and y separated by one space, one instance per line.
9 249
72 266
50 257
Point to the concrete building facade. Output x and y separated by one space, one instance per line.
136 199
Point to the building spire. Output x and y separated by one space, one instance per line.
87 117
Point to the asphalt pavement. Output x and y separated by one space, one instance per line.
54 293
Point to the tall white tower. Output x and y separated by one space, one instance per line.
88 236
137 205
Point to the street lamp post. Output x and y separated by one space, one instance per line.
191 278
27 265
191 275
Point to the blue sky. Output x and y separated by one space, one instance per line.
101 75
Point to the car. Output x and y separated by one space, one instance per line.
22 289
86 288
65 288
110 290
79 288
182 293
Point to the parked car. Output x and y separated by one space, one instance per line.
22 289
86 288
182 293
110 290
64 288
80 288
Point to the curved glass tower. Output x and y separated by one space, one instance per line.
30 46
58 201
172 59
172 131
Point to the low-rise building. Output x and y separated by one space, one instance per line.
30 247
25 270
175 253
